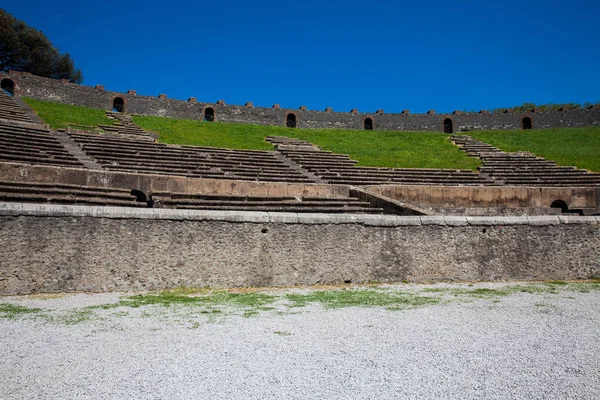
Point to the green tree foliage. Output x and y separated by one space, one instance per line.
23 48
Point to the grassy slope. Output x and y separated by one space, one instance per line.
372 148
573 146
59 116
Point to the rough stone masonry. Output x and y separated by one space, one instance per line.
49 248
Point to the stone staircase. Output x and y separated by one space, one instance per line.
11 110
523 168
124 125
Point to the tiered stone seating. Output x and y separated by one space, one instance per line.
10 109
124 126
524 168
124 154
271 204
27 192
339 168
33 145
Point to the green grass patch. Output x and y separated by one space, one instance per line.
72 317
389 299
566 146
211 302
11 311
369 148
59 116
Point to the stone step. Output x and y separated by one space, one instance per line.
53 191
65 199
329 210
39 160
64 186
262 203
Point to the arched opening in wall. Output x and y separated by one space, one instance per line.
448 128
209 114
527 123
564 207
8 86
368 124
118 105
290 120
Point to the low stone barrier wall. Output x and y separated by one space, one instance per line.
49 248
148 183
432 197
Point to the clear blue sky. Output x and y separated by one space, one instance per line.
391 55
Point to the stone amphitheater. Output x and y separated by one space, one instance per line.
88 211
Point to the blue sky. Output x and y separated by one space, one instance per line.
390 55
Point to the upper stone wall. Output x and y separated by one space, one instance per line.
27 85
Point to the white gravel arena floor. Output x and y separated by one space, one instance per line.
458 341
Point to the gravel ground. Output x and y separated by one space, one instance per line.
518 346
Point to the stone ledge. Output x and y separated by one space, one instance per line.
489 221
56 210
543 220
578 219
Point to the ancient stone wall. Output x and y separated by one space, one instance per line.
27 85
489 196
48 248
149 183
423 196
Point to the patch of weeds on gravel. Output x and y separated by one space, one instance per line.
282 333
71 317
11 311
209 302
545 308
434 290
390 299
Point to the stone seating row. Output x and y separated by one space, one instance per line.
33 145
28 192
117 153
523 168
99 142
11 110
173 157
341 169
270 204
212 170
128 143
31 192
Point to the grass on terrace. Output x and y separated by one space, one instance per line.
566 146
370 148
59 116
